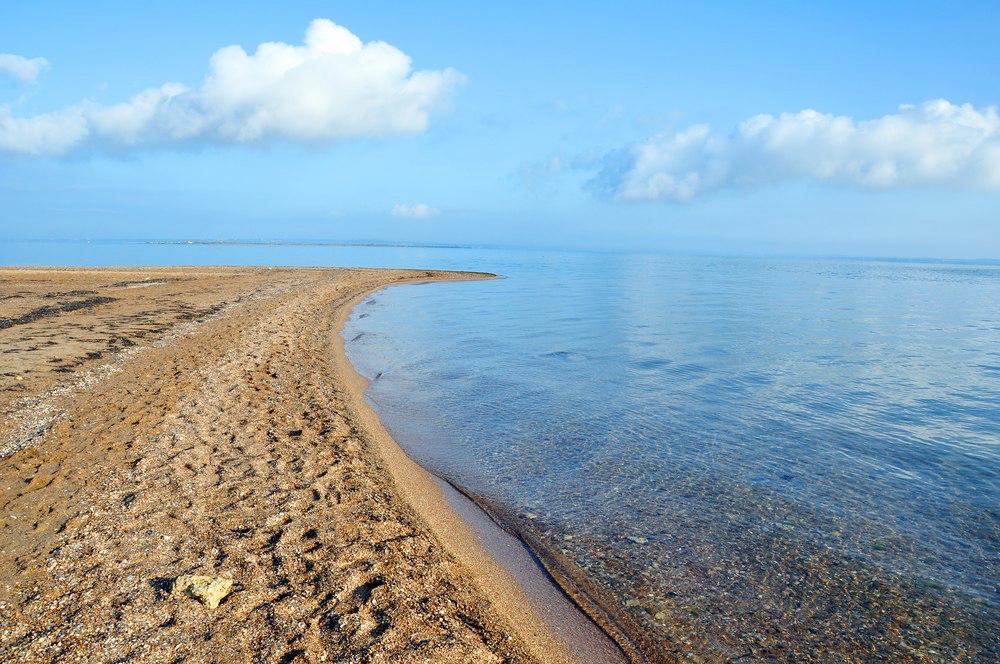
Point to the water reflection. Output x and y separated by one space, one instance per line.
745 450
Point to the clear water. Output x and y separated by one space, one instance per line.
784 459
717 437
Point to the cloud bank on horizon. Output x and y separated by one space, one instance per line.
936 143
331 87
20 68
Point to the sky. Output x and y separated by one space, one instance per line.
847 128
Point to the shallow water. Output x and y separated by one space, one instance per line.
784 459
724 444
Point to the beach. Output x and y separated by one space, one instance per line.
163 422
331 332
239 426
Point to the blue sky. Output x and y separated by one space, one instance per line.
536 124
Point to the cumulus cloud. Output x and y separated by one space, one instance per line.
21 68
331 87
414 211
936 143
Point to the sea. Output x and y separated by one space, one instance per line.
742 458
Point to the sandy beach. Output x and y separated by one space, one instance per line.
604 333
163 422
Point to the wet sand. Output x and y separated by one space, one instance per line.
160 422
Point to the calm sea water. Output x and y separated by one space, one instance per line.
717 438
759 458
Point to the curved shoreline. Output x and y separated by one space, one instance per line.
210 423
423 491
210 428
951 622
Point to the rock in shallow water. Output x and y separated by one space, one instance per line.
209 590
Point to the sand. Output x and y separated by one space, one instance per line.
168 422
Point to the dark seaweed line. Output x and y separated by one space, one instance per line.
595 610
47 311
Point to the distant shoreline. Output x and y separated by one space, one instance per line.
374 243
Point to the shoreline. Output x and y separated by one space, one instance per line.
422 490
859 605
596 604
617 626
131 476
169 422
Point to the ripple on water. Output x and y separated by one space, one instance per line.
786 459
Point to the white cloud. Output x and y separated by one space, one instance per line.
23 69
331 87
414 211
934 144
